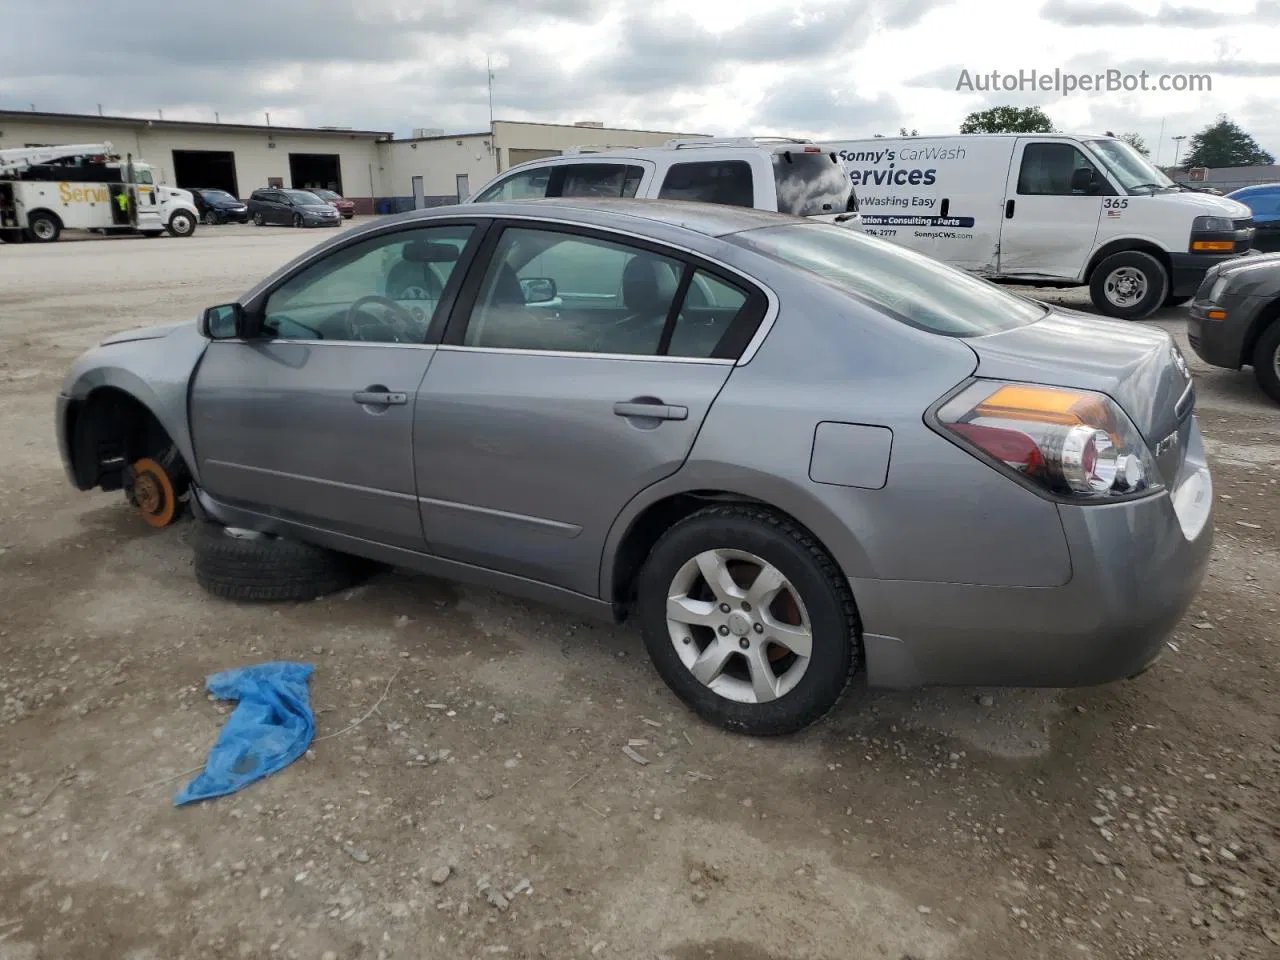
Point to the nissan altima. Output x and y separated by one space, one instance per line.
795 454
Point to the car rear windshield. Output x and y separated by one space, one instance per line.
911 287
811 183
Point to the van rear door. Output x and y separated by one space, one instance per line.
1052 206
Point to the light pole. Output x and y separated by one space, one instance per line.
1177 147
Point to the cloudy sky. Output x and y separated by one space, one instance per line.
809 67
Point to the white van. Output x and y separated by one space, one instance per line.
769 173
1047 209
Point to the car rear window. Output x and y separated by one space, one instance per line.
812 183
909 286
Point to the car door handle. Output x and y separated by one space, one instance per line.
650 410
380 398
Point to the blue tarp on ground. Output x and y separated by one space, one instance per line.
271 727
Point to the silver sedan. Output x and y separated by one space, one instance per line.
794 453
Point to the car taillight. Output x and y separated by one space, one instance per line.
1071 443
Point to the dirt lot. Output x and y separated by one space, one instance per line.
1137 820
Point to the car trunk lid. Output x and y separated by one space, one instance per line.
1140 368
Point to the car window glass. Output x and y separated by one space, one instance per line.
600 180
710 307
609 297
383 290
528 185
811 183
1047 168
717 181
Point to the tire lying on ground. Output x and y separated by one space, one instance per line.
257 568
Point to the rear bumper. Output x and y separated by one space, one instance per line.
1136 568
1188 269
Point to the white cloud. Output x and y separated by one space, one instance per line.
823 68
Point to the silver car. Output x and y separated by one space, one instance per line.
794 453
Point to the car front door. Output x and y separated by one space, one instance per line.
312 421
1050 217
535 427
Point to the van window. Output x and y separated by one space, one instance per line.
1047 167
811 183
526 185
908 286
714 181
600 180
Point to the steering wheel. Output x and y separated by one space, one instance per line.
637 322
401 321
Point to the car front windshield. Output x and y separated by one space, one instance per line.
1132 169
218 195
911 287
325 194
302 196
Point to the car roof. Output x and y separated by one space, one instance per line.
1255 188
708 219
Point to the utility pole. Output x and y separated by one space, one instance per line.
1160 141
1177 147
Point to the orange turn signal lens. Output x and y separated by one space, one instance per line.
1216 314
1213 246
1043 404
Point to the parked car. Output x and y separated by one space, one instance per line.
794 453
298 208
1235 319
345 207
1264 200
767 173
218 206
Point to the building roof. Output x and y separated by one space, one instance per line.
27 116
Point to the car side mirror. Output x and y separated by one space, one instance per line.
538 289
223 322
1083 181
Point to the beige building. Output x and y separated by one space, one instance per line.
371 167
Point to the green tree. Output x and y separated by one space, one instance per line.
902 132
1223 144
1007 120
1135 141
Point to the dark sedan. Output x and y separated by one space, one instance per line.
1235 318
218 206
298 208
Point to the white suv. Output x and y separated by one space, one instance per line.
768 173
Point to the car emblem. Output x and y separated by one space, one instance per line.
1180 362
1168 443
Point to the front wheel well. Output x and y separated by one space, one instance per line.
1269 315
655 520
109 430
1120 246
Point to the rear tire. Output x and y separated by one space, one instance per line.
752 642
1266 361
44 227
266 569
1129 285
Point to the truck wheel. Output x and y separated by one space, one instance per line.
1129 285
1266 361
44 227
251 567
181 224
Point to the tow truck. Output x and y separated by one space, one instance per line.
86 186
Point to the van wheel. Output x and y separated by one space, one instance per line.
44 227
181 224
1129 285
1266 361
748 620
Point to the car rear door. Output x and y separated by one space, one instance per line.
534 427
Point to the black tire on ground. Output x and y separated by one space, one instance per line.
210 218
43 227
1266 361
297 220
269 569
1172 301
1125 267
258 220
836 654
181 224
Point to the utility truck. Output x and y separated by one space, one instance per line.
1049 210
86 186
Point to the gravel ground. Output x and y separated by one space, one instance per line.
485 807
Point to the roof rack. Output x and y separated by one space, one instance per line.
684 144
600 147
